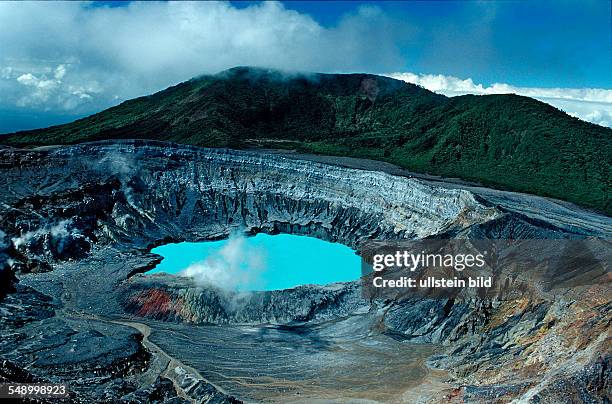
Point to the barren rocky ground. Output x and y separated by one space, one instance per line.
78 222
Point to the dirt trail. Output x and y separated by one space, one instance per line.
145 331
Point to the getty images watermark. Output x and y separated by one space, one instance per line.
500 269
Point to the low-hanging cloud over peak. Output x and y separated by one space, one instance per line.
71 56
589 104
74 58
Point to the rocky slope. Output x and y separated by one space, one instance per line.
78 223
505 141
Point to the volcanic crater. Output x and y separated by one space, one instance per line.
78 224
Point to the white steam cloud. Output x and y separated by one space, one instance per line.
234 267
589 104
58 231
125 167
3 242
5 261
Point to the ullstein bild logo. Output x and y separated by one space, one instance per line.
496 269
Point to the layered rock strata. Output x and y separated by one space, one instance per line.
78 223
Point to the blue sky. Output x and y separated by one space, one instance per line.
64 60
525 43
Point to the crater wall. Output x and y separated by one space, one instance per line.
77 224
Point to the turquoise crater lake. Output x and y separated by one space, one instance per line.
260 262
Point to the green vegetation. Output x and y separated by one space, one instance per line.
506 141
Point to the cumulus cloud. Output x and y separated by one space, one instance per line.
72 56
589 104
